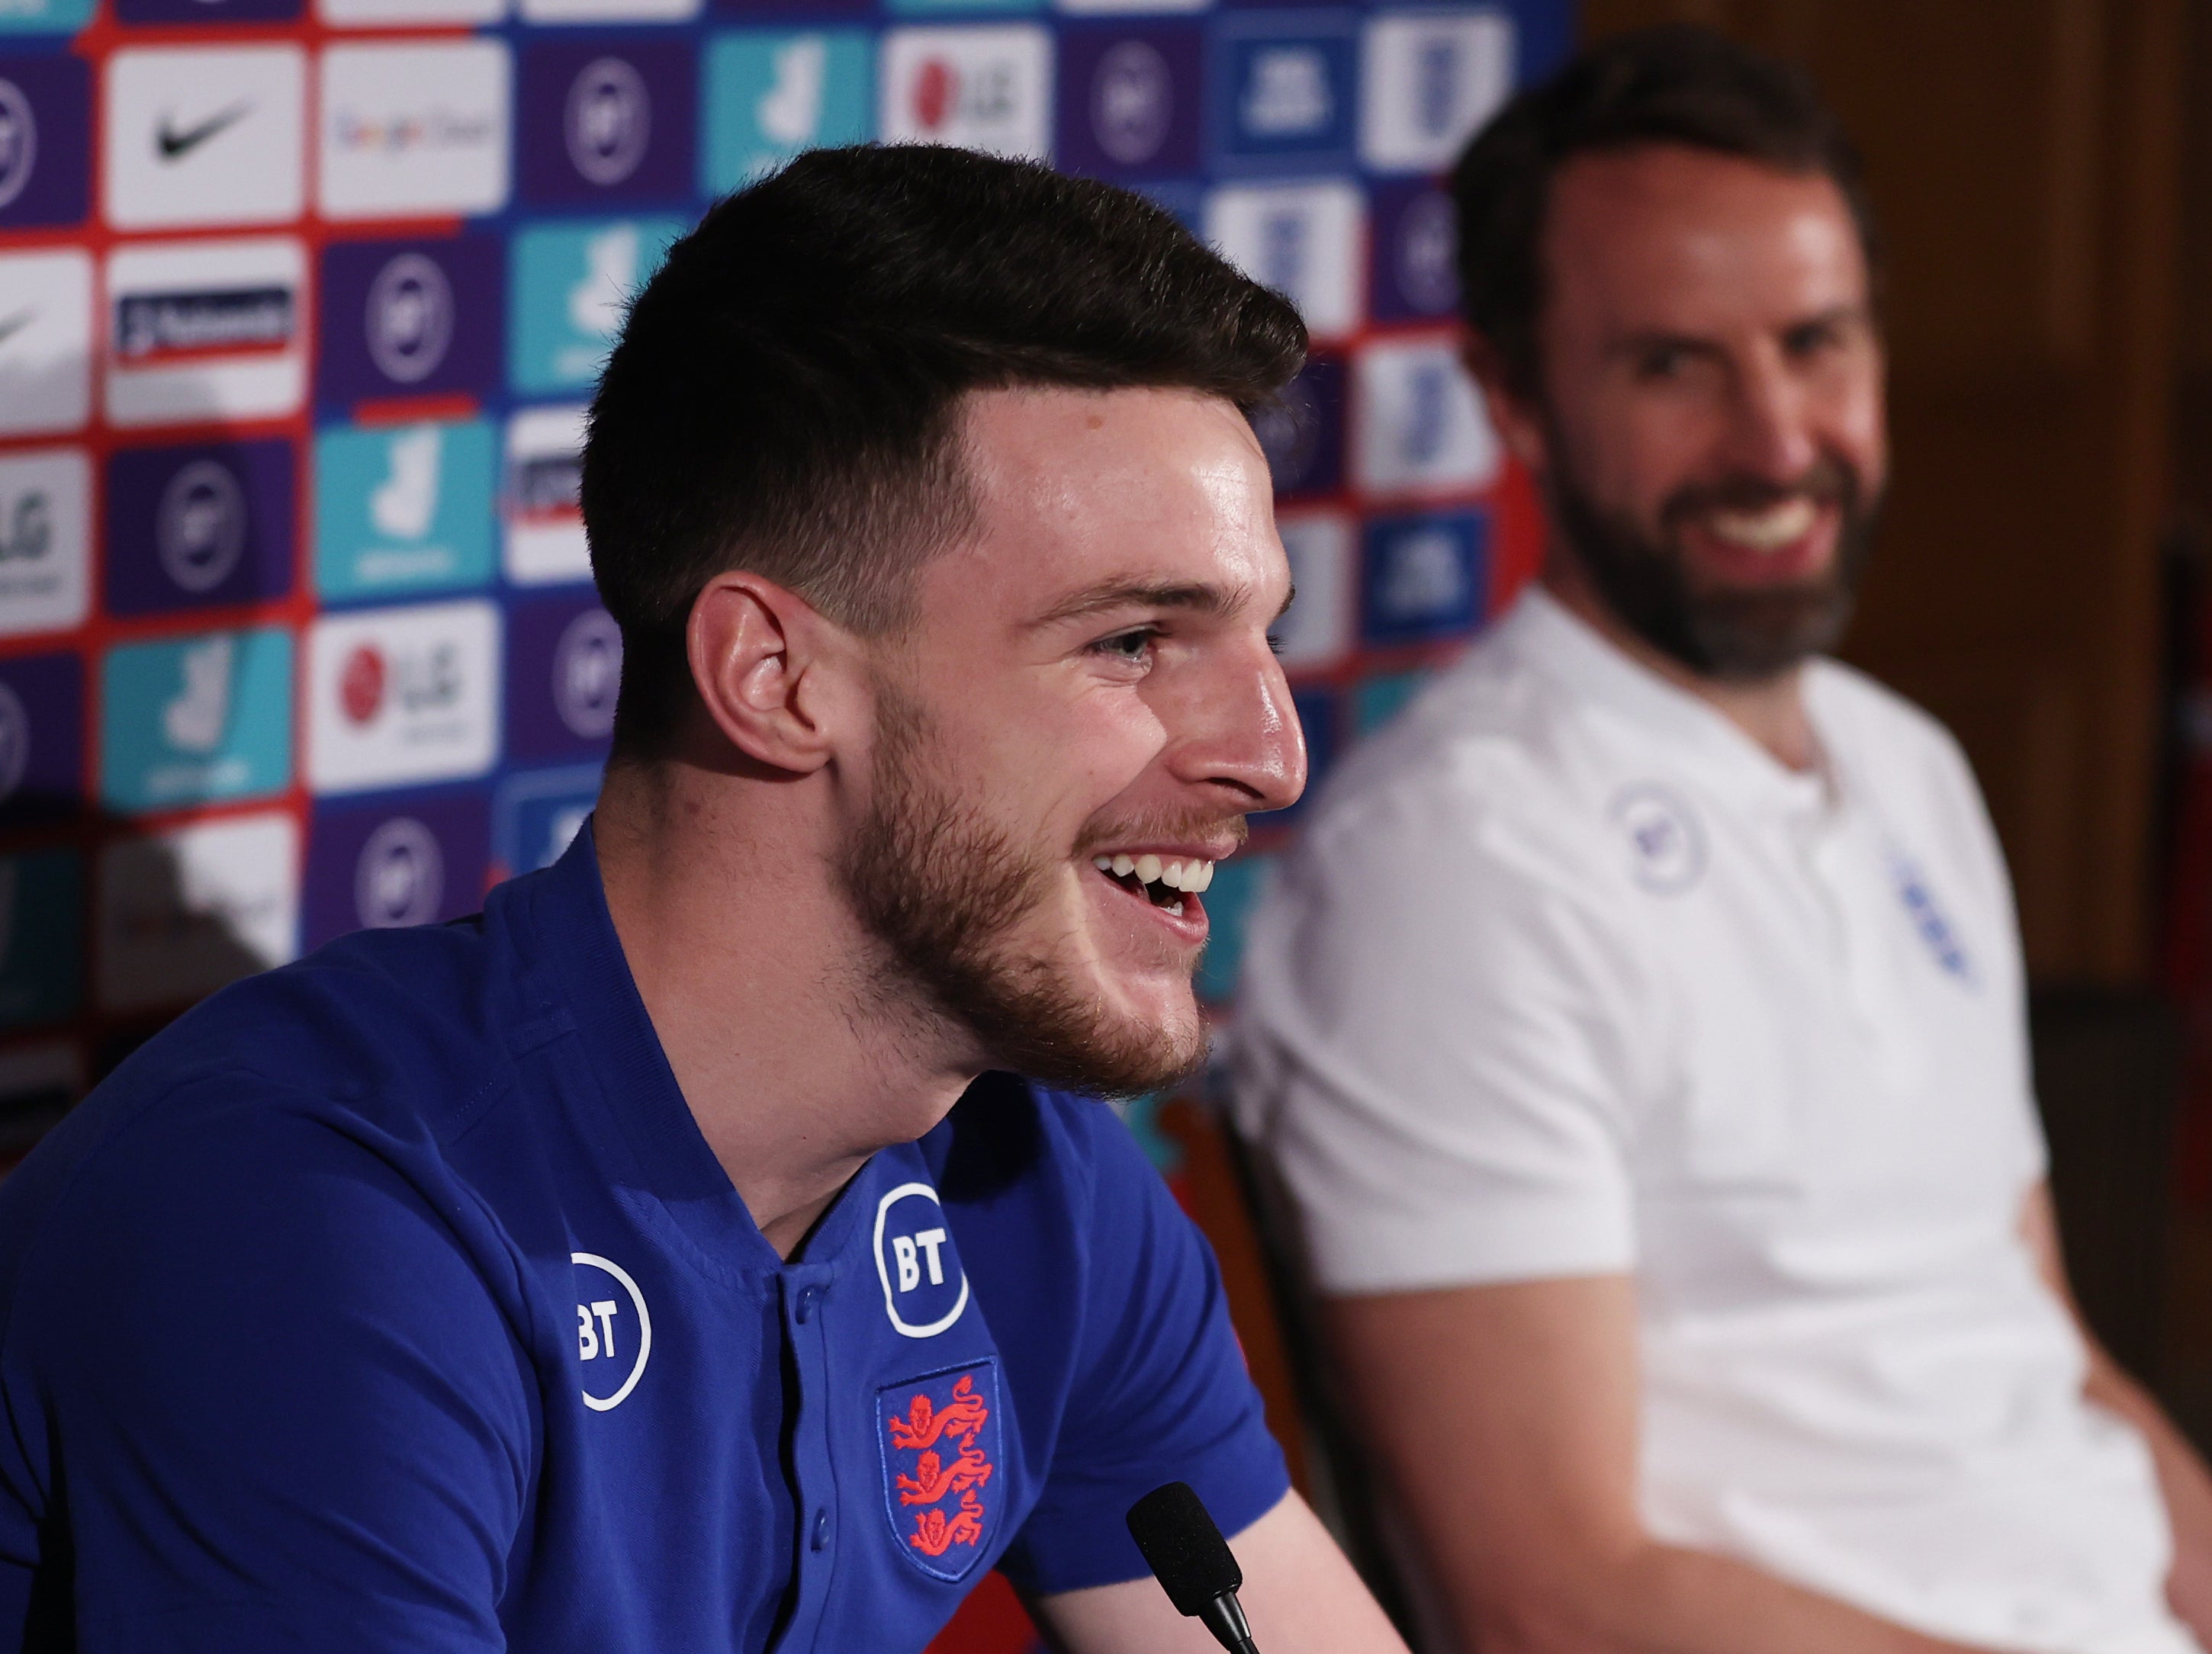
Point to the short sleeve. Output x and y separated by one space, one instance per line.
263 1398
1160 1392
1434 1049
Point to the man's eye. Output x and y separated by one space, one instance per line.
1274 643
1665 363
1133 646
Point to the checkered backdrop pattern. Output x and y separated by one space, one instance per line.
300 304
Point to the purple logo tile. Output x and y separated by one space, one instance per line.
1129 100
410 319
564 666
605 121
41 737
200 526
1415 249
1303 434
206 11
46 145
399 859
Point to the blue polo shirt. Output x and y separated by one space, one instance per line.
392 1301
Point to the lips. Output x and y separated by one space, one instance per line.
1170 881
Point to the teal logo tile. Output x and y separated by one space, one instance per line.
42 936
193 720
569 286
770 94
404 508
925 7
44 16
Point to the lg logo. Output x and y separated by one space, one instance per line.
925 1288
609 121
614 1332
409 318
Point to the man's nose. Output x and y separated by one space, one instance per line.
1771 432
1243 737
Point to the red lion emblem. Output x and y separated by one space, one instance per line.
933 1536
964 1415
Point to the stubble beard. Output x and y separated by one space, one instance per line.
1744 634
944 893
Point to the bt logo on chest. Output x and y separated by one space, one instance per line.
925 1288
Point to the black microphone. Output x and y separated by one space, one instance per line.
1192 1561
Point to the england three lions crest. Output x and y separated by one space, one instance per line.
940 1439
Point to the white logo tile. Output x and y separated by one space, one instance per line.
544 542
988 88
399 13
1304 241
1420 425
46 536
204 135
1429 81
414 131
1324 549
206 331
401 696
609 11
46 342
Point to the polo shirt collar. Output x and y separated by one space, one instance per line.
1552 640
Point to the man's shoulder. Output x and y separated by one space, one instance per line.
1875 728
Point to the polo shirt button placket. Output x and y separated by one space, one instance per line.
806 1304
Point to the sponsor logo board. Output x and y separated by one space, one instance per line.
1416 249
206 11
1421 424
204 135
569 285
197 719
544 526
397 13
202 332
404 508
199 525
771 93
181 913
41 928
564 667
399 696
608 11
46 342
41 737
409 318
1302 239
537 813
1302 432
415 131
1316 631
1284 92
606 120
1426 575
1429 81
986 88
46 141
1129 103
45 16
46 539
418 859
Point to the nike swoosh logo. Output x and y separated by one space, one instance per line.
16 324
174 144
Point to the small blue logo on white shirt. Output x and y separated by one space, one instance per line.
1667 846
1928 920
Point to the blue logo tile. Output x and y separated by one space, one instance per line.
41 737
563 668
199 526
1129 100
1285 92
1425 575
413 858
569 286
195 720
46 141
409 318
536 813
605 120
1415 276
404 508
1303 434
41 936
771 93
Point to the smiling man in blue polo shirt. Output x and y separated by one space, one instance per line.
644 1265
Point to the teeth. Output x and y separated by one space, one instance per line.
1176 908
1148 870
1191 877
1766 530
1172 876
1124 866
1103 863
1204 879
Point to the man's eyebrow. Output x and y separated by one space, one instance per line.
1195 596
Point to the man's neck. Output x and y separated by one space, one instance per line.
1771 711
764 991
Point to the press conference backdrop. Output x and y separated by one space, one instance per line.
301 301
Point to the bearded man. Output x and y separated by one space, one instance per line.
650 1262
1639 1026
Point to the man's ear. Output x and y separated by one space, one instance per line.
1511 414
773 672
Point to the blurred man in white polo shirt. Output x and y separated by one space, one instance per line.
1638 1025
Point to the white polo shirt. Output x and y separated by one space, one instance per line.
1569 977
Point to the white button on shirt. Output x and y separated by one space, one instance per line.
1569 977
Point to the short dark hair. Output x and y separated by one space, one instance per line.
784 395
1677 83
